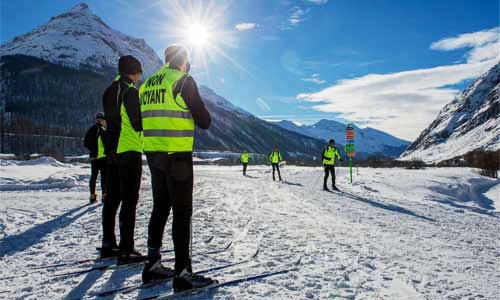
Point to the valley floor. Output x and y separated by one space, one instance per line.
392 234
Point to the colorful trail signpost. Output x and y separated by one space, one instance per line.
349 146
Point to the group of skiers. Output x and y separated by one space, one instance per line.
328 157
158 120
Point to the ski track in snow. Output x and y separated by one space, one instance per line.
392 234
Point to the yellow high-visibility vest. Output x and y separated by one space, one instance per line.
166 120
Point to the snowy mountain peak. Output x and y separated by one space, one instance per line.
368 140
469 122
82 7
329 125
80 39
286 123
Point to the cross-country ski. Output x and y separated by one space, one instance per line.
131 288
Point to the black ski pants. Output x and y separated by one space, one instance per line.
329 169
172 183
124 182
276 167
245 168
97 166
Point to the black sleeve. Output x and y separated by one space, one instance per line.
102 134
111 108
87 142
133 108
195 104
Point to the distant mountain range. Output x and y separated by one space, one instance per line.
368 141
470 122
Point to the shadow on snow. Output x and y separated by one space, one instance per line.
20 242
389 207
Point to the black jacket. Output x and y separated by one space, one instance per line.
91 138
112 99
190 94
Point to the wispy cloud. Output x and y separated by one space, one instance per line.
245 26
296 16
314 79
263 104
298 118
318 2
404 103
474 39
370 63
485 44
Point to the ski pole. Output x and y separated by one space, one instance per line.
317 180
282 170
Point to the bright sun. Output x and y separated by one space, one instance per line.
201 31
198 35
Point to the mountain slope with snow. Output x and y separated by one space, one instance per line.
234 129
470 122
367 140
81 40
393 234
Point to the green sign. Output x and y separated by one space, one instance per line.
349 148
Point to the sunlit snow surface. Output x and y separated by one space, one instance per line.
393 234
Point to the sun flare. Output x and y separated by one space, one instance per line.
198 35
201 27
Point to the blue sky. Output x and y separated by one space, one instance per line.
387 64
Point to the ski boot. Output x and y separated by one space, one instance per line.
130 257
154 270
93 198
187 280
107 252
335 188
325 188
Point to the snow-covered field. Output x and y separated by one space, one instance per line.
393 234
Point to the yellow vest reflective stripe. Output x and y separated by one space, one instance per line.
167 122
129 140
330 152
245 157
167 113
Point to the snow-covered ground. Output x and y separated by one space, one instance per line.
393 234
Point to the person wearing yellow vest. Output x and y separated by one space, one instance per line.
245 157
94 143
123 149
329 153
275 158
170 107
